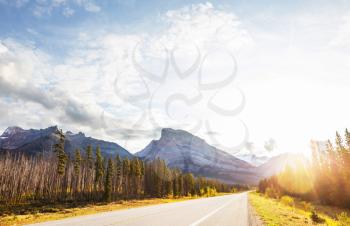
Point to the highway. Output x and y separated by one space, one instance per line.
219 211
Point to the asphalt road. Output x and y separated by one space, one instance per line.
220 211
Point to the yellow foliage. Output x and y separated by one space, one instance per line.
287 200
306 206
343 219
296 179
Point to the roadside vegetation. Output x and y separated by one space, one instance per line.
59 185
287 211
321 188
26 214
324 180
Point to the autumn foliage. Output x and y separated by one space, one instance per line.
325 179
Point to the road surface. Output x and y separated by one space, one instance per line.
219 211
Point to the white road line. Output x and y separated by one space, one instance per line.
210 214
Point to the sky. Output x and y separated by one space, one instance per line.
260 77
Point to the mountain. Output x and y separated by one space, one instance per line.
255 160
32 141
278 163
182 150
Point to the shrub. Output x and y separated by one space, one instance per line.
269 193
306 206
315 218
210 191
287 200
343 219
272 193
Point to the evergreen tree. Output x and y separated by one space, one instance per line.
126 174
168 182
61 155
158 177
98 168
175 175
347 138
77 162
118 168
188 184
137 175
108 182
181 184
339 142
89 157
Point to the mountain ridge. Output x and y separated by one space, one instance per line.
183 150
178 148
34 141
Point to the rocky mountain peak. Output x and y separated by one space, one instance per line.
33 141
178 136
12 130
51 129
183 150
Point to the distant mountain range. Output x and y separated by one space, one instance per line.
180 149
279 162
16 139
255 160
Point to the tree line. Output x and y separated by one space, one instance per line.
88 176
325 179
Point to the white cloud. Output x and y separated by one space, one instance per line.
342 36
3 49
20 3
84 86
91 6
292 72
26 76
205 25
68 12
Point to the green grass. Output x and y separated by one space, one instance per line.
275 213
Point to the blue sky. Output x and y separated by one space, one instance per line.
46 22
97 67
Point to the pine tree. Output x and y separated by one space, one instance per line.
137 175
346 168
339 142
77 162
142 176
118 167
347 138
147 179
175 175
191 184
346 154
89 157
158 178
61 155
168 182
98 168
108 182
126 176
181 185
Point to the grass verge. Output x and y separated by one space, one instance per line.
24 214
275 213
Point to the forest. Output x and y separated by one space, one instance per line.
87 176
325 179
